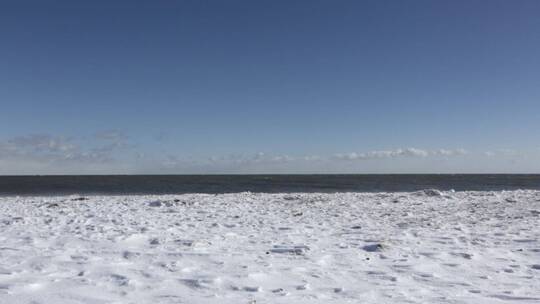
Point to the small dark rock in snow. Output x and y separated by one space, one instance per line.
154 241
373 247
252 289
298 214
184 242
467 256
432 192
155 204
536 266
79 199
303 287
290 197
356 227
296 250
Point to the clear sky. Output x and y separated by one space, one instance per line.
90 87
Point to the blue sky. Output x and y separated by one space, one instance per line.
269 86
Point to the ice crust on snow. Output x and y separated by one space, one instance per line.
422 247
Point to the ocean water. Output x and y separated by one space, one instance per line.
176 184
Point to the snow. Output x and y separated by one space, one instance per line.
420 247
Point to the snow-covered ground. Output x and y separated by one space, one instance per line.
422 247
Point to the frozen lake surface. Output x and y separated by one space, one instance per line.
408 247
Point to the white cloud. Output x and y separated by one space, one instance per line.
51 153
311 158
414 152
111 152
41 143
506 153
408 152
445 152
259 157
282 158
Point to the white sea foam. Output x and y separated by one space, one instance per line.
421 247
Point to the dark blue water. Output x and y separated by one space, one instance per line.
176 184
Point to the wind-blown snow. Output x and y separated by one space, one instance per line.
422 247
